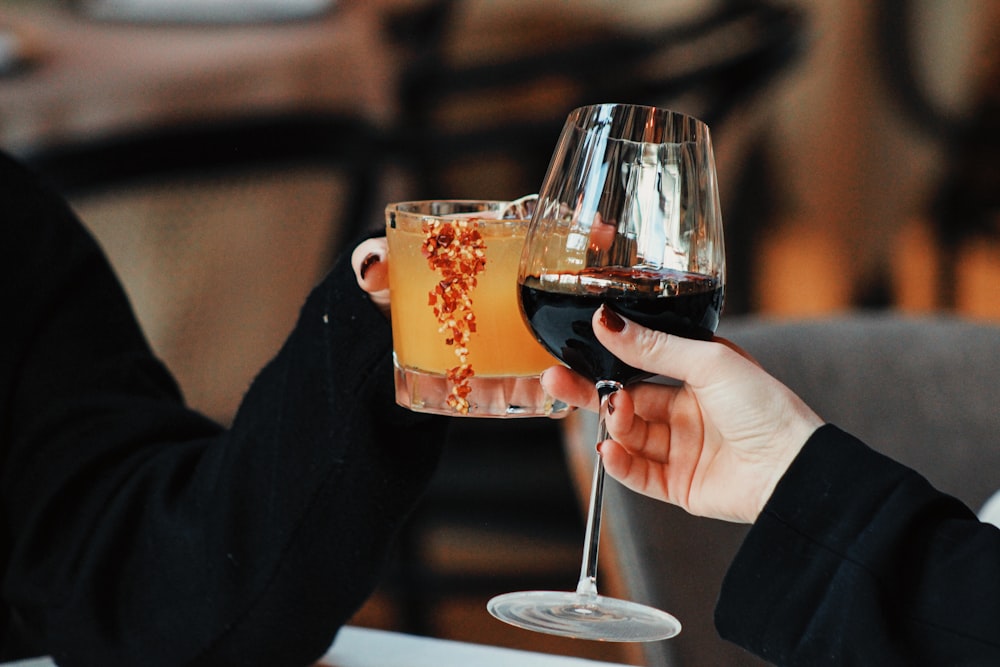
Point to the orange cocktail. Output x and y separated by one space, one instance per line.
460 344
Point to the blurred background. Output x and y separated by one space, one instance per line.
225 152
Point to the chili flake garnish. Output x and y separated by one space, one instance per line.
456 250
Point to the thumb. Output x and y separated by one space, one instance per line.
685 359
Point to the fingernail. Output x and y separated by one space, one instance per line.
611 320
611 404
599 447
370 259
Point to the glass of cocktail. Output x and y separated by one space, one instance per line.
460 345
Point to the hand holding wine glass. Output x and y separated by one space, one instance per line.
627 218
716 444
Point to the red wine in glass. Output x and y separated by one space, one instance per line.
559 308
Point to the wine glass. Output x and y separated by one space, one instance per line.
628 218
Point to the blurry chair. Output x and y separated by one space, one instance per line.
219 228
210 148
959 225
482 105
922 390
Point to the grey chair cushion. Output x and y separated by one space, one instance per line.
925 391
922 390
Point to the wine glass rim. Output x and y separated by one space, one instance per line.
411 205
693 129
494 213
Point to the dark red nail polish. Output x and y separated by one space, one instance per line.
611 320
369 260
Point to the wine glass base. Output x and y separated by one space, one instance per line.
584 616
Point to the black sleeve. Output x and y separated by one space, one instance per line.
857 560
136 531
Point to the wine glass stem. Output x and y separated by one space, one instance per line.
592 539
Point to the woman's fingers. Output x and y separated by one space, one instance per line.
624 425
694 362
563 384
368 260
630 455
371 268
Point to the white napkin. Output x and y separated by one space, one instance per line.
204 11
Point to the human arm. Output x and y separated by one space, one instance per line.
854 558
715 444
139 532
858 560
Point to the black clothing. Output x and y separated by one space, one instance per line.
857 560
137 532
